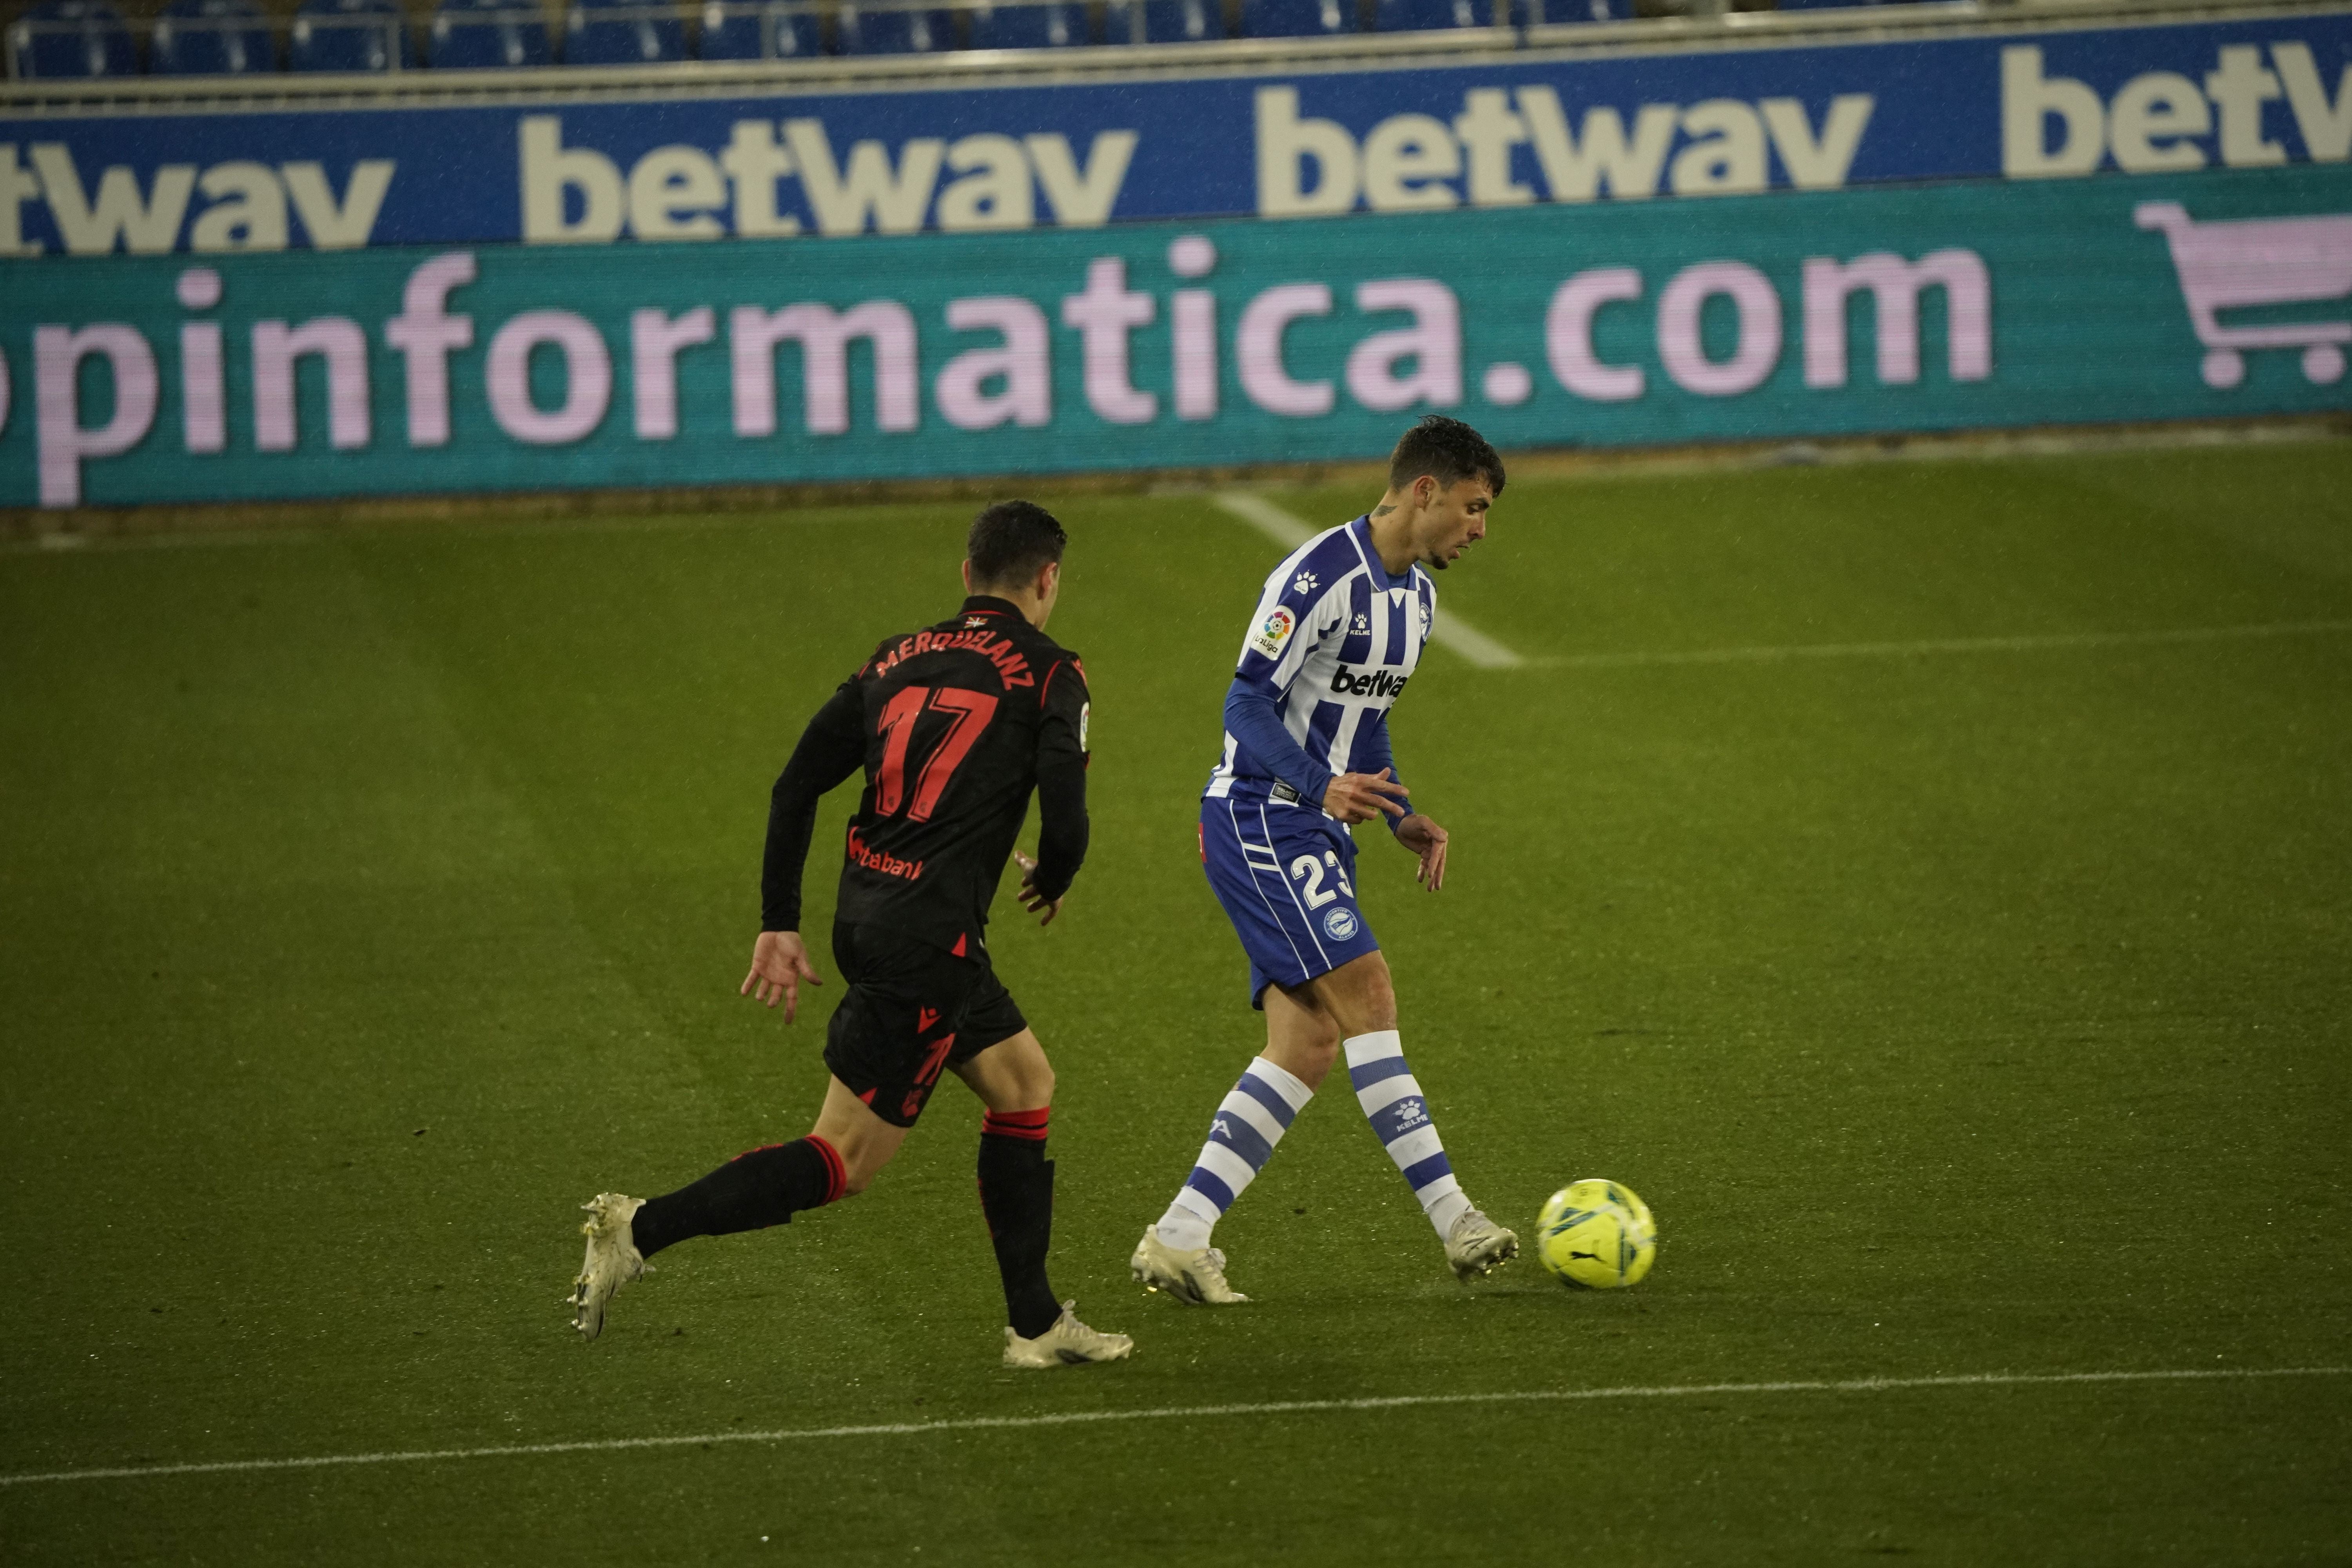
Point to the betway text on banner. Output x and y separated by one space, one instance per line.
2052 103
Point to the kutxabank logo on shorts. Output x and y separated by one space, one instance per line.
1340 923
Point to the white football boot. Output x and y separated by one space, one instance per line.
1476 1245
612 1262
1069 1343
1196 1277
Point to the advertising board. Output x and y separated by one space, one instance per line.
1485 132
386 371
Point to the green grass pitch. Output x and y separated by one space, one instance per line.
372 899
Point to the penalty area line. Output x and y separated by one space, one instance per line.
1193 1413
1451 632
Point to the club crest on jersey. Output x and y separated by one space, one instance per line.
1424 618
1340 924
1274 631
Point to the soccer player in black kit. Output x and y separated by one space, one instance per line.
953 725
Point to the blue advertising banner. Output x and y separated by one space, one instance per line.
1975 304
1490 132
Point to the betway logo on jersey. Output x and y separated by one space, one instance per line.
1368 683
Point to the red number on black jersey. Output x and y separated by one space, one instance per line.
969 714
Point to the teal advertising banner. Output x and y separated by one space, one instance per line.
410 369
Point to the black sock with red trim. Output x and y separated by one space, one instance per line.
756 1189
1017 1194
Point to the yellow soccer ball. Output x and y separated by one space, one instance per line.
1596 1235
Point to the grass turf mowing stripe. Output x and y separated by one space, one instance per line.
2022 644
1451 632
1194 1411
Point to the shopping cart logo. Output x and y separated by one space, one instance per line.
2260 261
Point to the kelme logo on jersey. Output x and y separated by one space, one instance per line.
1368 683
1340 924
1274 631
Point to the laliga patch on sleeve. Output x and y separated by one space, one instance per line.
1086 711
1275 631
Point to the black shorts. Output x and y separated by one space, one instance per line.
912 1010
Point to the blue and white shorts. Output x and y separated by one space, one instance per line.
1286 877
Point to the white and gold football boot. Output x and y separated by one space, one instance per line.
612 1262
1069 1343
1196 1277
1476 1245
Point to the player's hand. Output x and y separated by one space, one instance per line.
1360 798
779 964
1035 902
1426 839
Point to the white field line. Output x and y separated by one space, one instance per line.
1452 632
2025 644
1193 1413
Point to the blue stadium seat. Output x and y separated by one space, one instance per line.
71 38
1055 25
349 35
1539 13
1424 16
1298 18
1165 21
211 37
623 33
474 35
734 31
888 30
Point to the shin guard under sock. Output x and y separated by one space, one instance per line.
756 1189
1017 1194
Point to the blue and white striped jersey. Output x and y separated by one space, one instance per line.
1333 641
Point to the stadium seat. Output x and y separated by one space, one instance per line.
890 30
1298 18
1542 13
1165 21
1425 15
758 32
349 35
1052 25
71 38
211 37
623 33
474 35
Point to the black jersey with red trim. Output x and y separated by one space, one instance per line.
953 725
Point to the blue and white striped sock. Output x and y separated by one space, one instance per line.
1399 1113
1249 1123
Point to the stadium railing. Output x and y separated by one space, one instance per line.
77 54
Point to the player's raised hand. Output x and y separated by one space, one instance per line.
1360 798
779 964
1426 839
1035 902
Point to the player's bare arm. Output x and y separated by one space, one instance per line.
780 962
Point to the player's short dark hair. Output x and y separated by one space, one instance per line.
1446 449
1012 542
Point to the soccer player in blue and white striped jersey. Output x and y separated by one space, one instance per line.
1337 633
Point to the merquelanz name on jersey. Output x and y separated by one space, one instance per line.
2241 95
